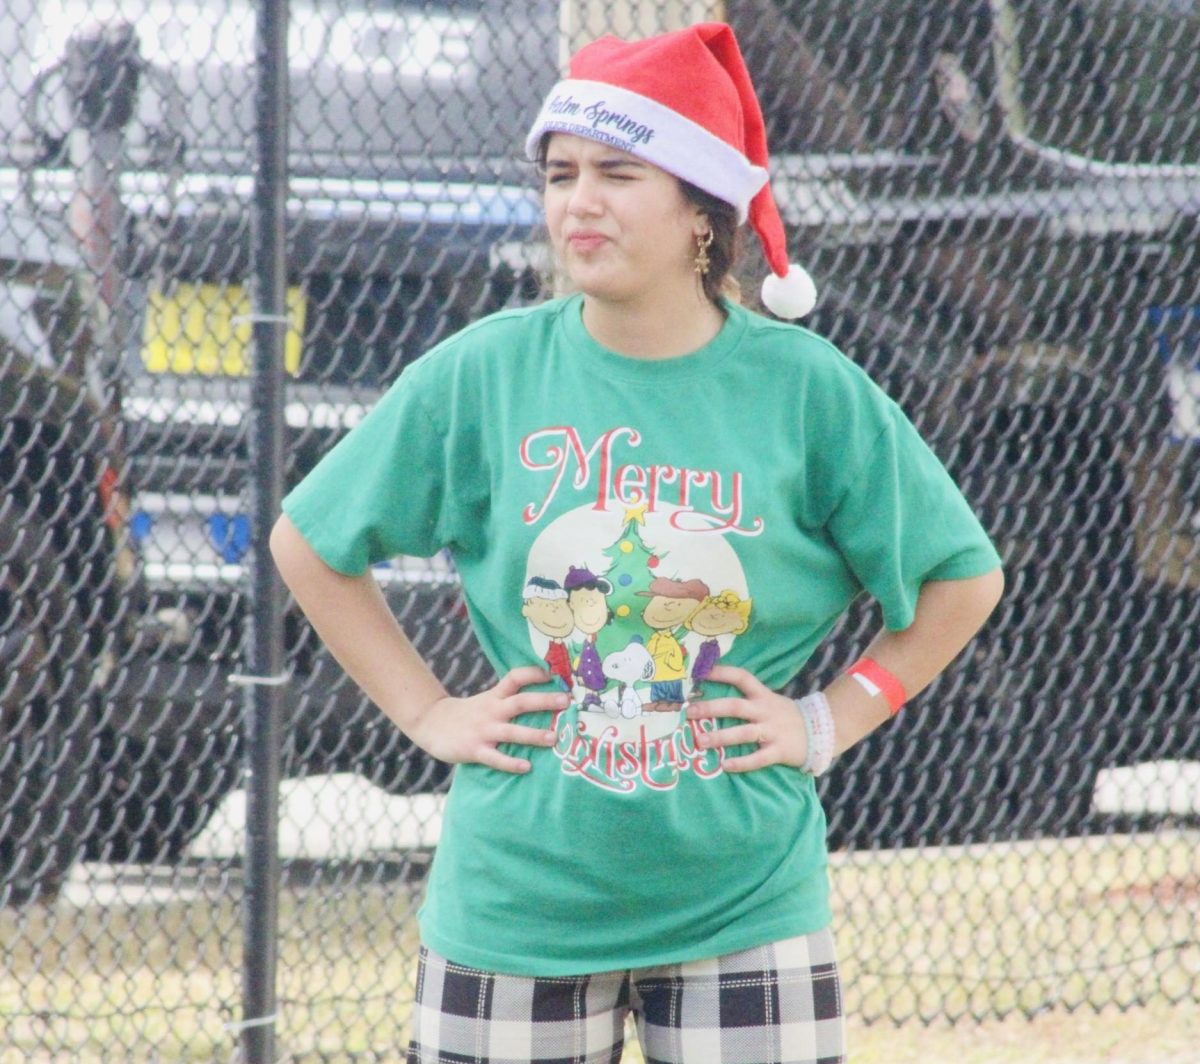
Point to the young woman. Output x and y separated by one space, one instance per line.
643 438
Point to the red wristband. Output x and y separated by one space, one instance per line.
876 680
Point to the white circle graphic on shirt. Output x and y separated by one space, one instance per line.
613 684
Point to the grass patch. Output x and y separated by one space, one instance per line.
162 982
1151 1034
984 932
1050 930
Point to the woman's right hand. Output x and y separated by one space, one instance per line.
460 730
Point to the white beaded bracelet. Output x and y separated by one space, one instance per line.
818 723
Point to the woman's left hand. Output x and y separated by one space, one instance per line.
772 722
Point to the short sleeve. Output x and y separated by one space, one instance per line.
380 492
902 521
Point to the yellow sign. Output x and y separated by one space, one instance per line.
205 329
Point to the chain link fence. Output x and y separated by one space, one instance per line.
999 201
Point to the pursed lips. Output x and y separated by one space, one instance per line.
586 239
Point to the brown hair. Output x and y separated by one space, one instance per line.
726 248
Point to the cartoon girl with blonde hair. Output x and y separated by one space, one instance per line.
724 614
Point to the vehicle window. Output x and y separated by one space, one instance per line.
1115 80
216 31
427 7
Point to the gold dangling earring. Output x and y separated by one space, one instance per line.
703 243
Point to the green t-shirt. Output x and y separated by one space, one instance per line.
728 504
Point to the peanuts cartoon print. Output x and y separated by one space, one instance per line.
630 599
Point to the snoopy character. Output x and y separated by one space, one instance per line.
627 667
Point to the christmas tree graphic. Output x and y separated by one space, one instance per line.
633 565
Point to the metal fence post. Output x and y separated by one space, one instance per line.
264 692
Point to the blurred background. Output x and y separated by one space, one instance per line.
201 820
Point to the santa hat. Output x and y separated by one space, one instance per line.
684 102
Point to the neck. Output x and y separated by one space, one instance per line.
654 325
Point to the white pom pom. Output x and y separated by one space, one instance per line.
792 296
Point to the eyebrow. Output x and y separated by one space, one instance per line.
603 164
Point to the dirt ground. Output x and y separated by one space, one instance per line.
1147 1035
146 964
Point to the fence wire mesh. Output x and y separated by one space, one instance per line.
999 201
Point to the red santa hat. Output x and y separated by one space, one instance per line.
684 102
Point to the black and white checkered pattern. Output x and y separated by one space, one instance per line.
774 1004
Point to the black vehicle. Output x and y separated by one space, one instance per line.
125 251
1025 285
1003 207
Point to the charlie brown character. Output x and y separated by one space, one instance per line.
724 614
671 603
546 608
587 597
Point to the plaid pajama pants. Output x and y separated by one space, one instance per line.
774 1004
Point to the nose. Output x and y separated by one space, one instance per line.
585 196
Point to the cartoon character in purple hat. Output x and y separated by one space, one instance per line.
587 597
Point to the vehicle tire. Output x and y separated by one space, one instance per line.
46 715
157 792
336 728
1005 745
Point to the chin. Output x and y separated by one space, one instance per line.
606 291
